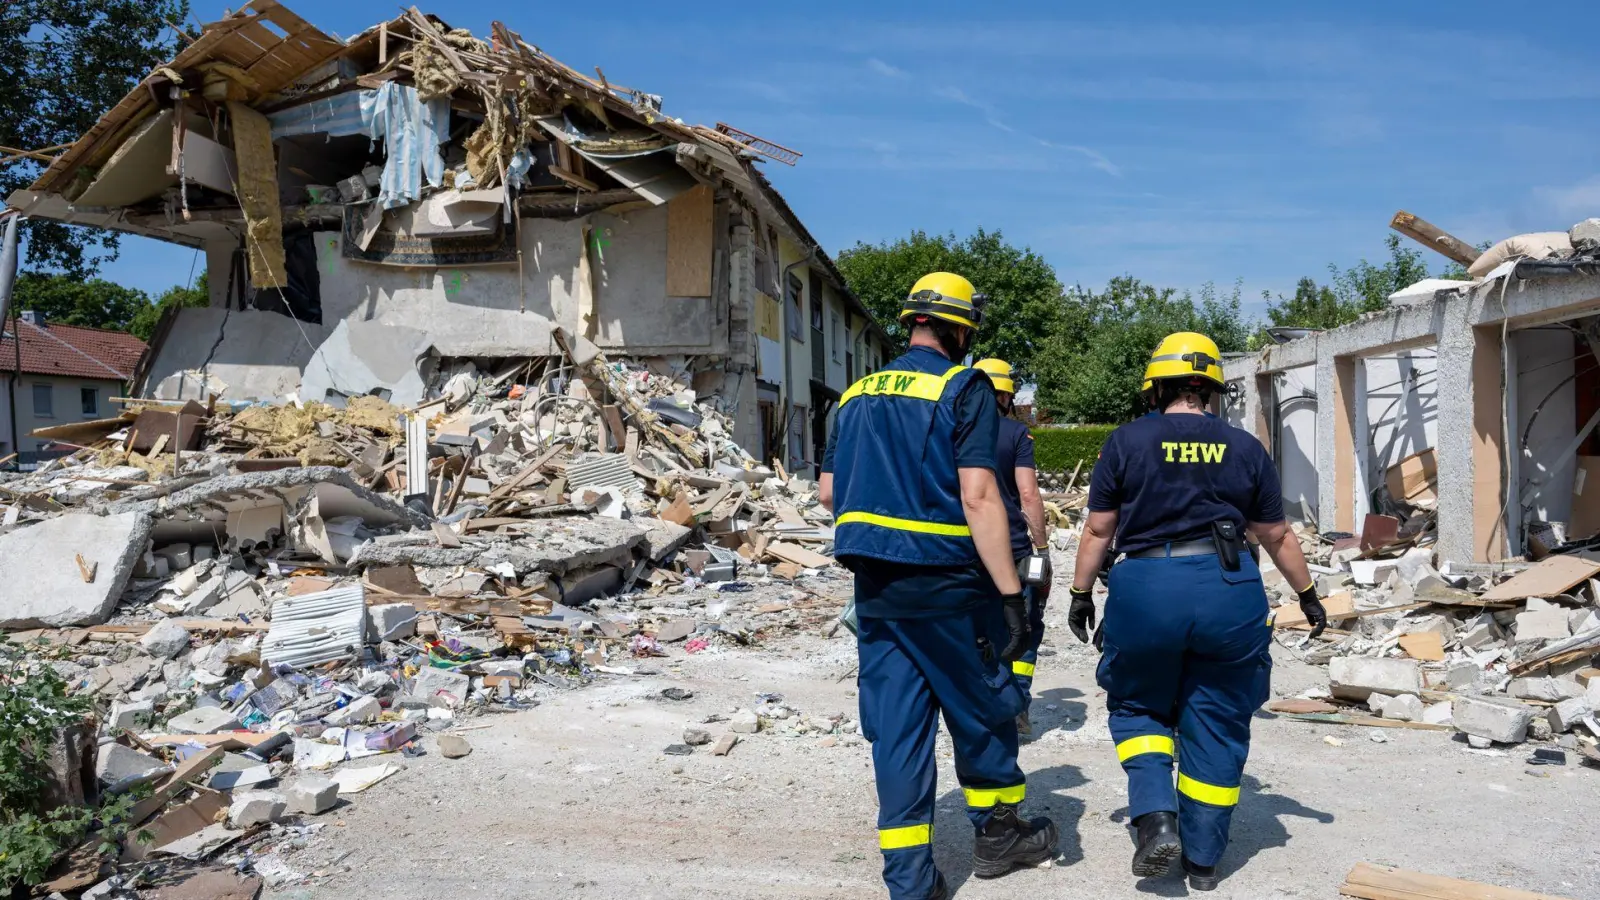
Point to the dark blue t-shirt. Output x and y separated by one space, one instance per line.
887 590
1014 451
1170 476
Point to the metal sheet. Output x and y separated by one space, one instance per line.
603 470
316 628
655 176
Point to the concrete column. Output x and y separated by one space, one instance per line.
1346 395
1260 390
1469 484
1328 406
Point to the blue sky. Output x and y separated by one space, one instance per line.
1181 143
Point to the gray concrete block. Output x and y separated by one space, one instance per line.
1491 718
165 640
120 768
1404 708
41 585
745 722
312 795
1585 236
361 709
1544 689
1357 677
1567 713
1437 713
441 686
179 556
1462 676
133 716
203 720
1543 625
391 622
256 808
1592 694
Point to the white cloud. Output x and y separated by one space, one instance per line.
885 69
1574 201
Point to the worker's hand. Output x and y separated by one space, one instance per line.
1080 617
1312 607
1041 591
1015 608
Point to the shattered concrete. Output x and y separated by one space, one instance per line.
556 546
42 582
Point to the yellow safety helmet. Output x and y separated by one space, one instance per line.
1184 355
999 372
947 296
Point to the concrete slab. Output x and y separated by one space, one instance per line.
557 546
41 583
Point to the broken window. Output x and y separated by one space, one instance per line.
797 314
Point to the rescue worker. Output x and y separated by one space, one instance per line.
1187 628
1019 487
909 474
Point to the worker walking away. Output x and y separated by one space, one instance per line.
1187 630
909 473
1019 487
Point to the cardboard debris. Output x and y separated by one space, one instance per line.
1552 577
1373 882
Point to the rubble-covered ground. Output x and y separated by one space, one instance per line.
581 797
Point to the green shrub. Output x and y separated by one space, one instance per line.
1061 449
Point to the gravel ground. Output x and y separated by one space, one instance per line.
576 799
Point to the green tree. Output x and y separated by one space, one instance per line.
1092 367
64 63
143 324
1312 306
95 303
1025 298
1353 292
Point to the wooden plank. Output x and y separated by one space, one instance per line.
1367 721
527 473
573 178
217 626
1427 646
798 555
689 239
1434 238
1553 576
1403 883
1300 706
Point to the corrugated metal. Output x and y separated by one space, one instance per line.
316 628
603 470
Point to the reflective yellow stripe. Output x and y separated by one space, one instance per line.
866 518
980 798
904 836
917 385
1021 668
1207 793
1144 743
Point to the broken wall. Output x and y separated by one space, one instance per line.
1546 417
379 320
1296 441
1401 415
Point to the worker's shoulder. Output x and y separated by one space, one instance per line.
1011 428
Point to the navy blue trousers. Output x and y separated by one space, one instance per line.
911 671
1186 664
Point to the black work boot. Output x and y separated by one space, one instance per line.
1006 842
941 891
1158 844
1201 878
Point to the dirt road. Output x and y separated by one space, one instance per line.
576 799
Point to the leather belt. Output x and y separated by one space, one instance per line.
1200 547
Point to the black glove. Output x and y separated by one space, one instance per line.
1100 638
1080 617
1312 607
1015 608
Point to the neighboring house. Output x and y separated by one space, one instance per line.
600 215
63 374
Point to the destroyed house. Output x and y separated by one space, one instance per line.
379 212
1462 415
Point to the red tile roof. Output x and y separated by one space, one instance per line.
71 351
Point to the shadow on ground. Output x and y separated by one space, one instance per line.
1050 794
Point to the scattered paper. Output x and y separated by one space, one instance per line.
354 781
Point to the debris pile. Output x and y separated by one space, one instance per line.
272 605
1453 648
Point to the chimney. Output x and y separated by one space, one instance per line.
33 317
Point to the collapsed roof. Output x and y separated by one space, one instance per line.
162 162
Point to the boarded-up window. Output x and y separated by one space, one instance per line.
689 243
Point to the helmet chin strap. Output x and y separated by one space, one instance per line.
955 348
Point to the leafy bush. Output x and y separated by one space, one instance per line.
34 708
1061 449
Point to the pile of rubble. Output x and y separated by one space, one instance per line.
268 603
1500 660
